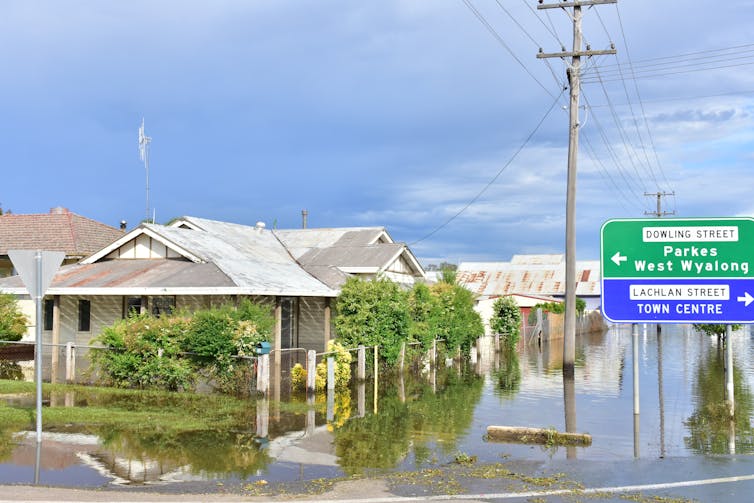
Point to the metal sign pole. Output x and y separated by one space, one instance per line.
38 340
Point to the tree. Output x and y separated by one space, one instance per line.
506 320
12 321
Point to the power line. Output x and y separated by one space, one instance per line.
500 40
692 68
497 175
641 102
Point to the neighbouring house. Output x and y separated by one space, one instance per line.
58 230
195 263
529 275
332 255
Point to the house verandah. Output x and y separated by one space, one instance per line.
301 322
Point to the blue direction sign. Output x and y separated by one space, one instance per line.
678 270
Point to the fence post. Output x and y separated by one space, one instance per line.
497 342
473 352
361 368
311 371
434 352
376 374
263 374
70 363
330 373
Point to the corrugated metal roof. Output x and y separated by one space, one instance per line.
352 256
533 274
301 241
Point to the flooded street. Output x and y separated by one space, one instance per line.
420 420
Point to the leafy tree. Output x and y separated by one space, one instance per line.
714 328
448 274
12 321
506 320
373 313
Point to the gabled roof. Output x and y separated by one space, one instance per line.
224 258
302 241
59 230
529 274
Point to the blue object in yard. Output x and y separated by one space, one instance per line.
263 348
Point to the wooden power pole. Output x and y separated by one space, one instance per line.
573 74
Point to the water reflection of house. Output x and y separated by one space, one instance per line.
197 263
532 276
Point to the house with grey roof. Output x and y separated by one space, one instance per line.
58 230
195 263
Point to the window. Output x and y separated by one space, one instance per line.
85 315
131 306
163 305
49 306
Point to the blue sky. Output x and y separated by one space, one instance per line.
390 113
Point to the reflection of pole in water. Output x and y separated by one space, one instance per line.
569 399
263 417
732 437
660 393
361 391
636 435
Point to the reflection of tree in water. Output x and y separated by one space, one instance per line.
508 376
382 440
11 371
214 452
709 425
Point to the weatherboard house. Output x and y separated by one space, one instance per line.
196 263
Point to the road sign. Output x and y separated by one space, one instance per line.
678 270
25 262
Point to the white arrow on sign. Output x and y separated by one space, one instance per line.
746 299
618 258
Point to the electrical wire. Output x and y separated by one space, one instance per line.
497 175
500 40
641 103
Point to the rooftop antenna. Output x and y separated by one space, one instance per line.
144 142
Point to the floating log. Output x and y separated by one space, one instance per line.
546 436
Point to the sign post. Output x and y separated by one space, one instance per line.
37 268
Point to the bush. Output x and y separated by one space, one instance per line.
506 320
168 352
144 353
373 313
12 321
452 316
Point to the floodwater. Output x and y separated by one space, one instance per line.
427 419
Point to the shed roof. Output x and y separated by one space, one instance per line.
529 275
59 230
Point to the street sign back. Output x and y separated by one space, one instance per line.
678 270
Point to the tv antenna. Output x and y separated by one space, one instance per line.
144 142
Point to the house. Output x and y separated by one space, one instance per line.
484 306
195 263
530 275
58 230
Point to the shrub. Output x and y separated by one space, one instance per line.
373 313
12 321
452 316
506 320
144 353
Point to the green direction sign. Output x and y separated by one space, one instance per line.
678 248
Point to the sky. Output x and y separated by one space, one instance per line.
432 118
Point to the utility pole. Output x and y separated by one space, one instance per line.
659 195
573 74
